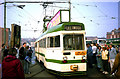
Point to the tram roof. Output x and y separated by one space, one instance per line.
60 27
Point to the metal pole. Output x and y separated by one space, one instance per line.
69 10
34 2
5 22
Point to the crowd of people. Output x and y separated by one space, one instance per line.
16 61
105 58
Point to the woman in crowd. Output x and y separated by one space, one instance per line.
11 66
99 58
105 57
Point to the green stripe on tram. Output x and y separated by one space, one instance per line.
40 54
60 61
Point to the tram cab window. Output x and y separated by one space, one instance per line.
73 42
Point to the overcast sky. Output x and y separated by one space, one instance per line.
98 17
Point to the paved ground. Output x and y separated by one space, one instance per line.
38 71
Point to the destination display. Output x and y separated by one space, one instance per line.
61 16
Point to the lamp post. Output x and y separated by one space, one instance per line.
5 22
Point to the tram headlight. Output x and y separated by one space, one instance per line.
65 59
83 59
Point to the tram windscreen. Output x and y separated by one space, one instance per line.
73 42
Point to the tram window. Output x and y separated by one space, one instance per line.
57 41
51 41
44 43
48 42
40 43
73 42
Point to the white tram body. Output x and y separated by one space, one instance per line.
63 51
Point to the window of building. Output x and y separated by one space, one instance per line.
112 33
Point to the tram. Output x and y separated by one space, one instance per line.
62 49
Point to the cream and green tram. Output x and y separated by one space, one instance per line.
62 49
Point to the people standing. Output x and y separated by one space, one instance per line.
26 63
22 53
112 55
89 55
94 48
99 58
17 48
105 56
5 52
11 66
116 66
31 51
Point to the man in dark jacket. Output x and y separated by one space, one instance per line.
11 66
116 66
22 54
89 55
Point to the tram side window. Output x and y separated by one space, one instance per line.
40 43
57 41
48 42
51 41
44 43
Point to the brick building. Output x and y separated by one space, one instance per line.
2 36
114 36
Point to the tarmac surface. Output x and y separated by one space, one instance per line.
38 71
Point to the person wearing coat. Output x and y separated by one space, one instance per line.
11 66
116 66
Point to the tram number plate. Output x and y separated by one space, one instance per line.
80 53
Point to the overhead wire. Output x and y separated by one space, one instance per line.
104 15
85 16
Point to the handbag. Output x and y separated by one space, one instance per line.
28 59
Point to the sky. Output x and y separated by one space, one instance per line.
98 17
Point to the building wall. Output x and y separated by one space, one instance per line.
113 34
2 36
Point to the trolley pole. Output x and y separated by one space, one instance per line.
5 22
